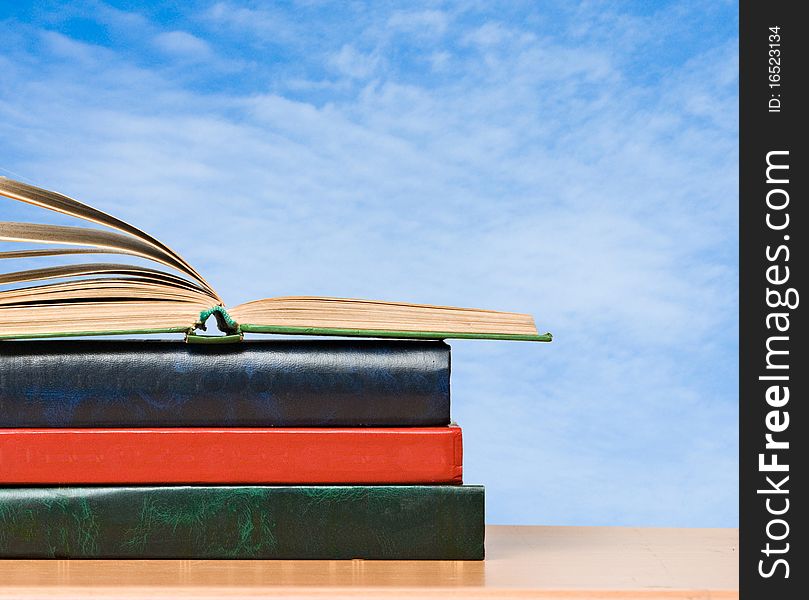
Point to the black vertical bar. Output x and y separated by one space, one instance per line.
773 232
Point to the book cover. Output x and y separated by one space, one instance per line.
248 522
294 383
231 455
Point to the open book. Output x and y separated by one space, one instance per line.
107 298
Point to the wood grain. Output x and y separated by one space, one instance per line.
572 563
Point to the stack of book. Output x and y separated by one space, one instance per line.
216 447
297 449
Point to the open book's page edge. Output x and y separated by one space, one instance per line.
383 333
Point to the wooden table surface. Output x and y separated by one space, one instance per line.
580 563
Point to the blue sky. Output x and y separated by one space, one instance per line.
573 160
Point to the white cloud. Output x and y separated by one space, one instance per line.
64 47
439 61
421 22
123 22
259 22
353 63
183 44
489 34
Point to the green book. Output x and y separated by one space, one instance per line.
78 295
247 522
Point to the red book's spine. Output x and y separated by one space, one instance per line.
414 455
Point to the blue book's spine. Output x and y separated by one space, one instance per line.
307 383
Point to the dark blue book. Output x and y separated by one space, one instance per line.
296 383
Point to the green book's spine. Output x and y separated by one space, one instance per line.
244 522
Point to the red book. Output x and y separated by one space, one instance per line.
233 455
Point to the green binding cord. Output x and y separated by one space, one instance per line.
59 334
377 333
224 321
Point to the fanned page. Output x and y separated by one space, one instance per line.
88 298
